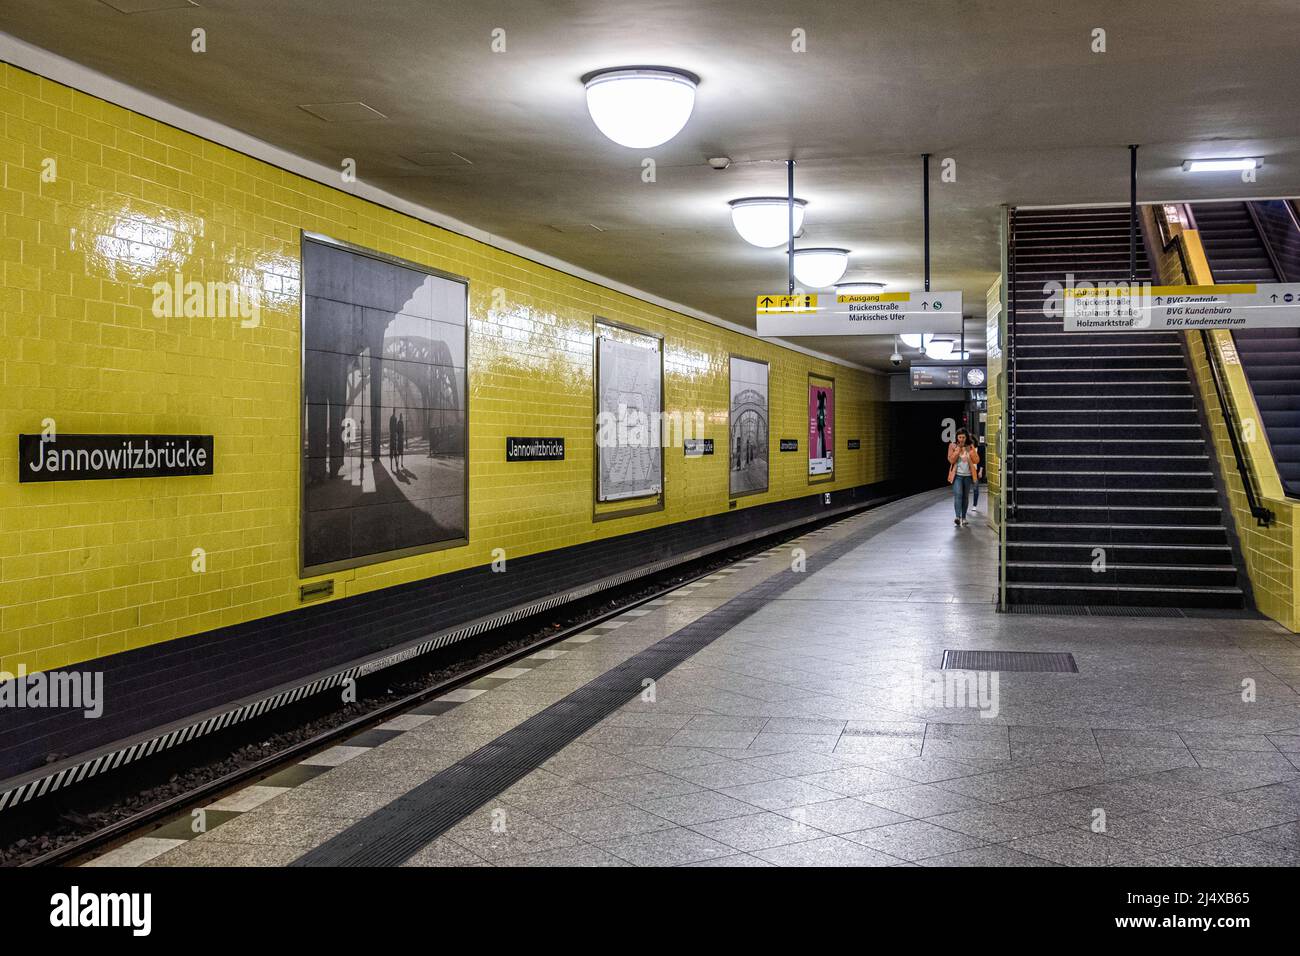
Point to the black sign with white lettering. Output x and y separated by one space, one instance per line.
534 449
97 457
789 444
694 447
855 444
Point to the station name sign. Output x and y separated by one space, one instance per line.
870 313
789 444
695 447
1141 308
99 457
534 449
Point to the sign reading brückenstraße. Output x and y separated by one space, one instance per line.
534 449
98 457
854 313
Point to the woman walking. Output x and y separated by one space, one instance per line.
963 460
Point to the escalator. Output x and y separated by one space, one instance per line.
1260 242
1110 485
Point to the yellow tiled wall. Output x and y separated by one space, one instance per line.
1270 553
93 568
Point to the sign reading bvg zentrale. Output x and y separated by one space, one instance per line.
97 457
871 313
1142 308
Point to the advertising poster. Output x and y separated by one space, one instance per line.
628 419
748 443
821 426
383 428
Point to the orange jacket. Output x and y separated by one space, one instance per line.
973 457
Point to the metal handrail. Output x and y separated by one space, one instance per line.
1263 516
1265 242
1231 418
1009 414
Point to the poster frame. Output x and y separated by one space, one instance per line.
306 571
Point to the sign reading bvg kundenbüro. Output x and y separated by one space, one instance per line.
875 313
1143 308
97 457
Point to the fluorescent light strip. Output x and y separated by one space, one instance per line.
1220 165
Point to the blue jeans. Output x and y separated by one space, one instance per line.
961 486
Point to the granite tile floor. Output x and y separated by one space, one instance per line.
819 732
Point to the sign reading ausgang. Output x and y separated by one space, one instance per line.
534 449
1138 308
875 313
96 457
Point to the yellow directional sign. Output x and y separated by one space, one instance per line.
773 304
854 313
873 297
1121 307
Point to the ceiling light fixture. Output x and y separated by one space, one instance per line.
858 288
640 106
820 267
764 221
939 349
916 340
1220 165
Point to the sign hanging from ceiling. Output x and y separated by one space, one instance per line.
1141 308
876 313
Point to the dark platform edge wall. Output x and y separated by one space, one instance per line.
163 695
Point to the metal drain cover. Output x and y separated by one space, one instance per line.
1049 662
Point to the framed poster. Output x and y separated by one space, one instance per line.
629 416
383 407
747 442
821 427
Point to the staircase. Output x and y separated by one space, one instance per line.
1114 496
1238 250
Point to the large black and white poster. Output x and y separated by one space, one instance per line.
629 419
748 429
383 433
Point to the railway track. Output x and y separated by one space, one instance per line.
88 845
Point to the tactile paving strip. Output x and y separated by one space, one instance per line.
1048 662
395 833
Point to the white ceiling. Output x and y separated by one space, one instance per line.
1010 90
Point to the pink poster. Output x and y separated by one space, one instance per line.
821 427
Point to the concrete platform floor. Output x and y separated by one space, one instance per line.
818 731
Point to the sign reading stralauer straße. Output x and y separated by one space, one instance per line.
1140 308
873 313
97 457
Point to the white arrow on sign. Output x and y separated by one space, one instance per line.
878 313
1139 308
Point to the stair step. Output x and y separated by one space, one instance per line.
1125 596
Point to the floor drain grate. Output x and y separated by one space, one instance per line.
1077 610
1042 661
1119 611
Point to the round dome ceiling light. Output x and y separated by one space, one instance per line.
916 340
939 349
818 268
640 106
764 221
